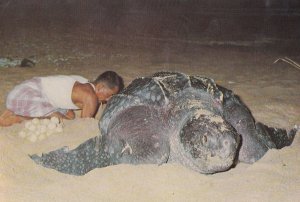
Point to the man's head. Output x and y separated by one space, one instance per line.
108 84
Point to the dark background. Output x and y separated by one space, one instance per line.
184 19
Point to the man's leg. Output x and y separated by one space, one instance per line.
8 118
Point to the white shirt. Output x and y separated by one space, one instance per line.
58 89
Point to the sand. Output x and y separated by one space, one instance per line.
272 92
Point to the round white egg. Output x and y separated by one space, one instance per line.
28 124
51 126
45 121
49 132
32 138
54 120
37 132
22 134
42 136
35 121
59 129
43 128
32 127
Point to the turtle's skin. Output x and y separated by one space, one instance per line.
257 138
171 117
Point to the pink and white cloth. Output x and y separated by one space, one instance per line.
27 99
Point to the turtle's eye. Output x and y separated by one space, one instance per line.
204 139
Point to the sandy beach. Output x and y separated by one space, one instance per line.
271 91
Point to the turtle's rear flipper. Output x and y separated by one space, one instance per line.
85 157
276 137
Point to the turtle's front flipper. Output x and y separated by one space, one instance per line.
85 157
275 137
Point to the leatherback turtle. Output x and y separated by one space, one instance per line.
172 117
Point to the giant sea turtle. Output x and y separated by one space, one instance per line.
172 117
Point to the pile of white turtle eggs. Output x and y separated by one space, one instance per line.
39 129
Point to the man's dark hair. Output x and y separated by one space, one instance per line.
111 79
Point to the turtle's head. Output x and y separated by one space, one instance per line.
209 143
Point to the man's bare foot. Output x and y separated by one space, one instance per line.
8 118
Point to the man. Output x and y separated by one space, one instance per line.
58 96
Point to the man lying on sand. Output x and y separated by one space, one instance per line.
58 96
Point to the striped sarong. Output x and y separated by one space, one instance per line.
27 99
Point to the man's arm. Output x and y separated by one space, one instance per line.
83 96
70 114
89 106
